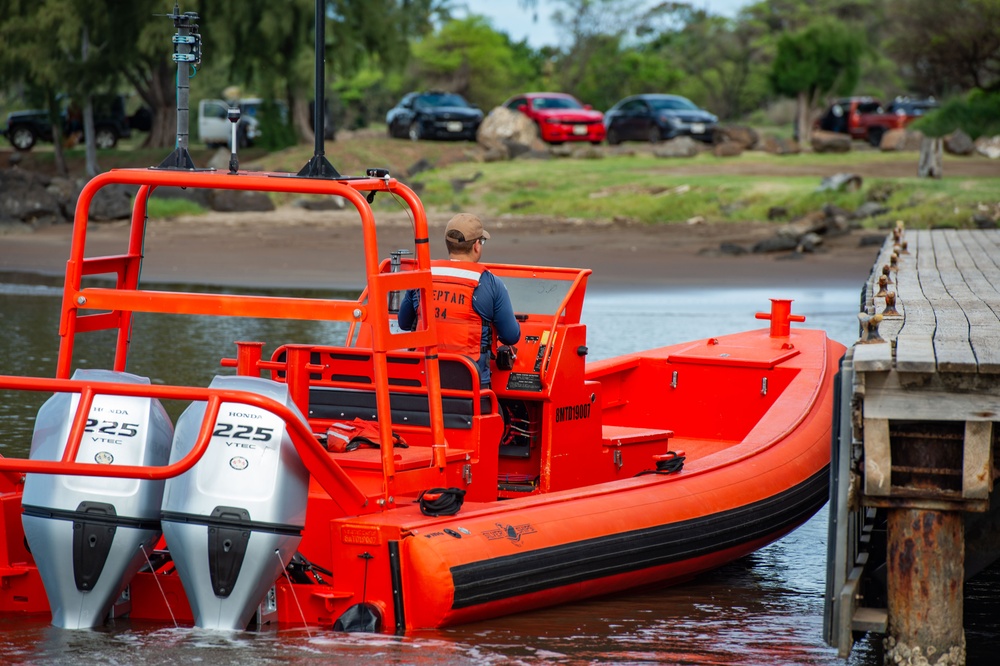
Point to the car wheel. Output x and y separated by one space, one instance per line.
22 138
613 138
875 136
415 133
654 134
105 138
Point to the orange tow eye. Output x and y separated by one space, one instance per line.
780 316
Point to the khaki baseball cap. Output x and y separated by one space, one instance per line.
465 227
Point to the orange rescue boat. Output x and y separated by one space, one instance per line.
564 481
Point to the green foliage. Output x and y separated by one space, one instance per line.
276 132
468 57
160 208
824 57
977 114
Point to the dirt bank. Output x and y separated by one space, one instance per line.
296 248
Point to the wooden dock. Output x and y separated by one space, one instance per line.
916 451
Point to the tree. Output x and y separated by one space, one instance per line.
948 48
467 57
725 62
824 57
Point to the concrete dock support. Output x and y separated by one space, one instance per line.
926 553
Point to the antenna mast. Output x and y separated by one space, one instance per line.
187 53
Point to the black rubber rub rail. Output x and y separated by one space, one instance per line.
591 559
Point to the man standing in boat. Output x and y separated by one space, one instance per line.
468 302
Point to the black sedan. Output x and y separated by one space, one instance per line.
433 115
657 118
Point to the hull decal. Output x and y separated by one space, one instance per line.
590 559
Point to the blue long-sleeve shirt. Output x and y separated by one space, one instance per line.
490 301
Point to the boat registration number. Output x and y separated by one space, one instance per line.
454 126
697 128
579 130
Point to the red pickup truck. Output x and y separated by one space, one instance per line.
865 118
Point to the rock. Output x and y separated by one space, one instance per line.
198 195
779 146
809 242
495 154
959 143
326 203
841 182
901 139
727 149
14 159
682 146
515 149
697 219
561 150
236 201
870 209
830 142
535 155
988 146
732 249
113 202
983 221
503 128
833 210
814 222
777 213
25 197
775 244
419 166
746 137
869 240
587 152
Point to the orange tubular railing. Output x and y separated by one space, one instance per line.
99 308
324 469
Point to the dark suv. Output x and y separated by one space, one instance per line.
25 128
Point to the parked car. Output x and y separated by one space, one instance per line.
433 115
560 117
215 129
657 118
111 123
866 119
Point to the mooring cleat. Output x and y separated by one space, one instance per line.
869 328
890 305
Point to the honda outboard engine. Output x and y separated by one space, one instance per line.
87 533
234 521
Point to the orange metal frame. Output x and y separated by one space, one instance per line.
86 309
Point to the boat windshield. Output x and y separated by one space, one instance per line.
536 295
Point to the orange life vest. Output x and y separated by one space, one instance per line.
459 326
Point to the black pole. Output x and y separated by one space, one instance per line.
319 166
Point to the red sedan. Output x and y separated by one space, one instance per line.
560 117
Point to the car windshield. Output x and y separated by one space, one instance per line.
443 99
556 103
672 104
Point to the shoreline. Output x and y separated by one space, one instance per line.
295 248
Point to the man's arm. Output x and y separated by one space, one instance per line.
407 315
504 322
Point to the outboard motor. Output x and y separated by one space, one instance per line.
87 533
234 521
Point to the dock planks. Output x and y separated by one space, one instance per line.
948 296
